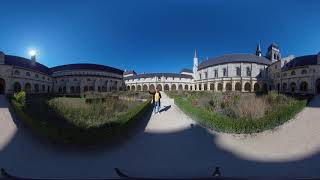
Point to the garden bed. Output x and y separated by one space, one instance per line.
76 121
238 112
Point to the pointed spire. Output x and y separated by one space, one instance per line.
195 53
258 50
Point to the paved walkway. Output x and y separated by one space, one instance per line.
166 145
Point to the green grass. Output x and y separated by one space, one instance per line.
73 121
220 122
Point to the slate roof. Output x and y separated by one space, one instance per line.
186 70
129 72
25 63
301 61
234 58
151 75
84 66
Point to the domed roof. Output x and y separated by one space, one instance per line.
234 58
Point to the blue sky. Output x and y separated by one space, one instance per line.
155 35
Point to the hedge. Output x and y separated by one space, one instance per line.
226 124
79 136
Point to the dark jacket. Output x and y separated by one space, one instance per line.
153 94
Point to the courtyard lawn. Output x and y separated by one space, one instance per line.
233 112
81 120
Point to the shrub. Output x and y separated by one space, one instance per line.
243 113
20 97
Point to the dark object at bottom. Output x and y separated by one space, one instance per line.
217 172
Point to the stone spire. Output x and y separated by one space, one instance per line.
195 63
195 53
258 50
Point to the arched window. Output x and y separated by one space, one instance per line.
16 72
28 74
284 87
238 71
220 87
293 73
284 74
274 56
16 87
224 71
228 87
304 86
304 71
36 88
256 87
88 79
216 73
36 75
248 71
238 86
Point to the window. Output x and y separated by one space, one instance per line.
200 76
238 71
275 66
27 73
224 72
304 71
216 73
293 73
16 72
284 74
248 71
43 77
88 79
206 75
36 75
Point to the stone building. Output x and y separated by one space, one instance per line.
18 73
245 72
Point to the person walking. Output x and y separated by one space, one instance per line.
156 96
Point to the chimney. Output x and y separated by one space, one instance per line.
33 60
1 57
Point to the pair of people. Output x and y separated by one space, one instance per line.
156 96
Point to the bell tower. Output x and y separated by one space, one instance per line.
195 64
273 52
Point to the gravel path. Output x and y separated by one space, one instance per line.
166 145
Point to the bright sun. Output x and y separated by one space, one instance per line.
32 52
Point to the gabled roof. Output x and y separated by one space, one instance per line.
84 66
26 63
234 58
151 75
301 61
186 70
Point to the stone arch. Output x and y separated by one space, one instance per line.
166 87
247 86
228 87
318 86
195 87
180 87
85 88
139 88
205 87
145 87
238 86
199 87
2 86
151 87
186 87
159 87
293 87
284 87
72 89
128 88
220 87
133 87
191 87
304 86
265 87
173 87
212 86
256 87
16 87
27 88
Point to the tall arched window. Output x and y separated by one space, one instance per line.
248 71
293 73
238 71
304 71
224 71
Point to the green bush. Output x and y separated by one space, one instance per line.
46 123
224 123
20 97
